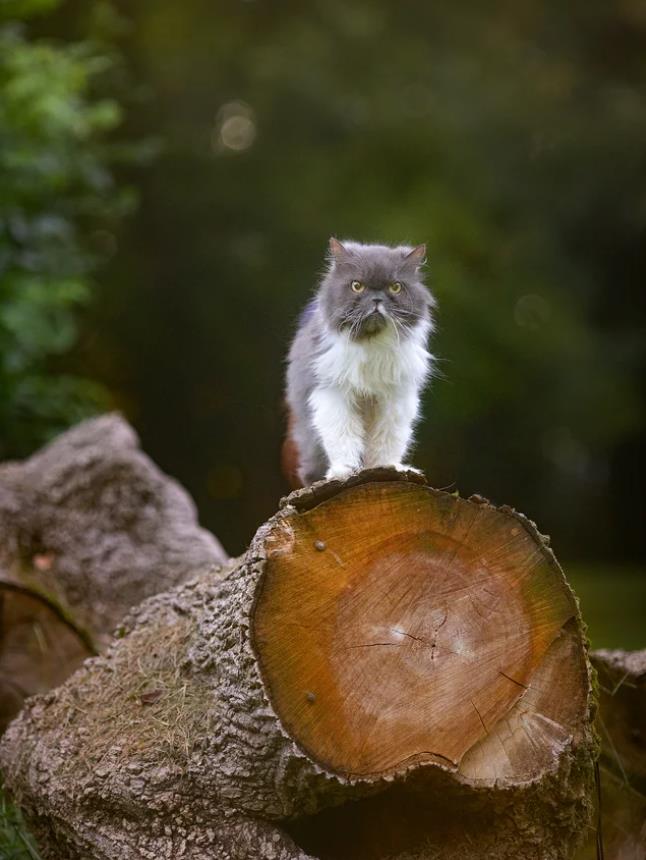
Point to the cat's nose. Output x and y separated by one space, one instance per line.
377 301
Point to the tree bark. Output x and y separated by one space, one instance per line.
390 671
92 523
89 527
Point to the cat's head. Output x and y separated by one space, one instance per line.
368 288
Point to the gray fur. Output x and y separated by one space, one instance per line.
336 308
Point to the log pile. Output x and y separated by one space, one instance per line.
89 527
390 671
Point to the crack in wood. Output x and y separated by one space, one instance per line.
513 680
373 644
410 636
475 708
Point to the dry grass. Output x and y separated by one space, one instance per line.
140 703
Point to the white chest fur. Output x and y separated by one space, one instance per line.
375 366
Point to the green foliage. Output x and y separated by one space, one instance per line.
16 842
58 200
611 600
21 9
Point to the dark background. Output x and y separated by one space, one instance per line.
508 136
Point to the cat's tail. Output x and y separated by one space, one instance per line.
290 455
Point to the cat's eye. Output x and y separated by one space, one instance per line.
395 288
357 286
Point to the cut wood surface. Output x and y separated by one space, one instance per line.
389 672
39 647
397 625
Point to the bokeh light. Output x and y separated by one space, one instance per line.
235 128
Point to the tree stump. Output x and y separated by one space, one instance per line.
389 672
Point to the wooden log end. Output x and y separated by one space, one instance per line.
40 646
398 626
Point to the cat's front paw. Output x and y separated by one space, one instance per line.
339 473
406 467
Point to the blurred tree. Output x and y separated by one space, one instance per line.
58 203
508 135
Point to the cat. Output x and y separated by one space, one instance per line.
358 363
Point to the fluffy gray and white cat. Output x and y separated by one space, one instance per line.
358 362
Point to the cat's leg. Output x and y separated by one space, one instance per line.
390 428
313 462
310 460
338 424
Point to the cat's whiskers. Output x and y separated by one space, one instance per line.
395 325
356 324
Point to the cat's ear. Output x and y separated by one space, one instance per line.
337 252
416 257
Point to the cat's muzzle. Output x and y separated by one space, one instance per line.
373 323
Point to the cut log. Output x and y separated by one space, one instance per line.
39 647
389 672
89 527
92 522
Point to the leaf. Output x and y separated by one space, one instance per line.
150 697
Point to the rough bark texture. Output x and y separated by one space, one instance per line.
170 744
92 523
